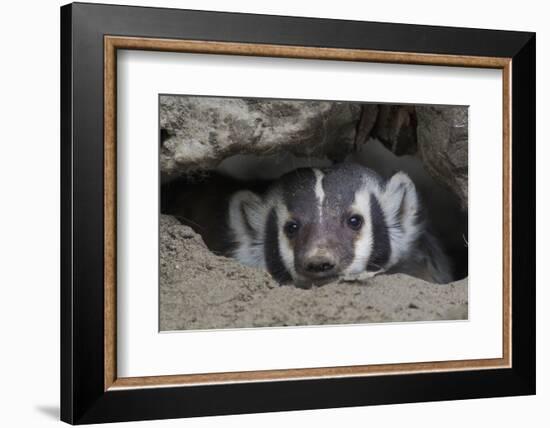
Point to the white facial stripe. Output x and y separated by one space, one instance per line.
319 192
363 243
285 249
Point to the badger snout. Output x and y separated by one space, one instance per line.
321 263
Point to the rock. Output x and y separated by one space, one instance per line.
437 134
200 290
443 146
369 115
395 127
199 132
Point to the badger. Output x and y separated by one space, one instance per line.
344 222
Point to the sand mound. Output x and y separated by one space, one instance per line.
199 290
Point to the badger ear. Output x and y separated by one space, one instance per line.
246 215
401 204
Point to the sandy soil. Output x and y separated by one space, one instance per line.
199 290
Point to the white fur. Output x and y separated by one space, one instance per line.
319 191
400 204
364 242
285 249
249 251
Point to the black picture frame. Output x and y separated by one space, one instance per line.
83 396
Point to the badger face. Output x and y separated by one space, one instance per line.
318 225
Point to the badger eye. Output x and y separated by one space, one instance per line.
355 222
291 227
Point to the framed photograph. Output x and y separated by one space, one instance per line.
266 213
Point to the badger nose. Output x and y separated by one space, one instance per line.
320 265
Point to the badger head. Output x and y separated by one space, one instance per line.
318 225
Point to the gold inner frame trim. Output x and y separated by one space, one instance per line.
113 43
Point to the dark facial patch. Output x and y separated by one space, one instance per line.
299 193
381 240
272 254
340 184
